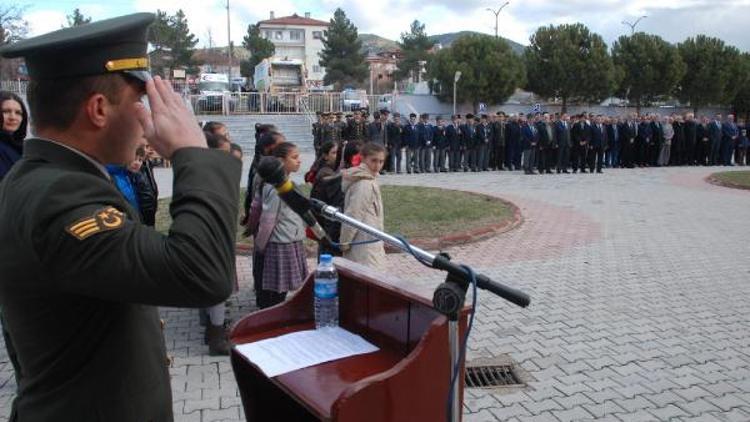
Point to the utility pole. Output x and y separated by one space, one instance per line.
497 15
633 25
229 46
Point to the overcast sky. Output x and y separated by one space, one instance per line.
674 20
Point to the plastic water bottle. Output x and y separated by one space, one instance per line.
326 293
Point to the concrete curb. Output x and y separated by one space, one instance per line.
443 242
711 179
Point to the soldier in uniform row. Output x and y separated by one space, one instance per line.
82 280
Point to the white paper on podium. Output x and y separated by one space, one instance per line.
287 353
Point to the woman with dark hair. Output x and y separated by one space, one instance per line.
326 187
14 122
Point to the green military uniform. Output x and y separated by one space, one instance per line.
80 285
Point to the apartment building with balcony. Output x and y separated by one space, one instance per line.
297 38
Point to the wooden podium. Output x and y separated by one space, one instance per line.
406 380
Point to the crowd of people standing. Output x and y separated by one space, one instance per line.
538 143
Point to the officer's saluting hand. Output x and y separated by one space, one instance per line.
80 275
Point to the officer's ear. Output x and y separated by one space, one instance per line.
97 110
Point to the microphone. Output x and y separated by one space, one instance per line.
272 172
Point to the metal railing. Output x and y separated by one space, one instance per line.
284 103
16 86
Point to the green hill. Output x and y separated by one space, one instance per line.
375 43
447 39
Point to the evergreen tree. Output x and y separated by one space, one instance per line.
415 46
259 48
343 61
172 41
714 72
77 18
741 102
651 68
490 72
570 63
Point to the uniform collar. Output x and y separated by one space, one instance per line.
53 151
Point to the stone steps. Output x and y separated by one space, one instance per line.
295 127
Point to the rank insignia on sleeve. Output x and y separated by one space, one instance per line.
104 219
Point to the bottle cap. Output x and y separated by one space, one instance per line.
326 259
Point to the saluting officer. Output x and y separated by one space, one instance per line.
81 274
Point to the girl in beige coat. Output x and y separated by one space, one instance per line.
362 200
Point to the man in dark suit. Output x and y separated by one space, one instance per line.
467 141
657 139
498 142
563 142
424 143
581 135
691 139
410 142
395 141
513 144
628 136
597 145
715 136
453 132
702 142
547 148
644 141
730 133
612 154
440 143
530 143
482 137
82 281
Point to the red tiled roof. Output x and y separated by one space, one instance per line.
293 20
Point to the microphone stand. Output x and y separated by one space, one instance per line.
448 297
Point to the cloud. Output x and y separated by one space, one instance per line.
43 21
673 20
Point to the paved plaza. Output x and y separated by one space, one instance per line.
640 286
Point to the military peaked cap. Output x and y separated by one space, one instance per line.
103 47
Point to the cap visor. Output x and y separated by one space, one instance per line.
142 75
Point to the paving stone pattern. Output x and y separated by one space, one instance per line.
640 286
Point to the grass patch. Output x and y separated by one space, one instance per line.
414 212
734 178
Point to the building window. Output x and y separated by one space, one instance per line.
295 35
279 35
317 35
316 68
268 35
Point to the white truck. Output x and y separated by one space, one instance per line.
280 76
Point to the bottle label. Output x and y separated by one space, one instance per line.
326 290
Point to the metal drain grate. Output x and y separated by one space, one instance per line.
490 376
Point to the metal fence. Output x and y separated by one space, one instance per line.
284 103
17 86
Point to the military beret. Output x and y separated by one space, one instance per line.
425 116
397 114
103 47
412 115
457 116
469 116
384 111
339 113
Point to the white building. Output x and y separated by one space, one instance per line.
300 38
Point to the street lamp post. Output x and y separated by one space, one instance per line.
456 77
497 15
633 25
